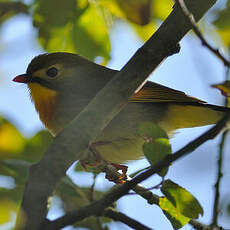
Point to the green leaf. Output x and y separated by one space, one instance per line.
145 32
36 146
222 24
225 36
174 216
162 8
157 150
182 200
14 146
6 209
16 169
70 27
151 130
74 197
9 9
14 194
136 11
223 19
87 40
54 13
11 140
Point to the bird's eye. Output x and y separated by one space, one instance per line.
52 72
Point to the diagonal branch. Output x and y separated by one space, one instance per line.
71 143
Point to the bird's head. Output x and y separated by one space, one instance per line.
63 83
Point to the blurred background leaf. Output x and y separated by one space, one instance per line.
6 209
74 197
9 9
16 155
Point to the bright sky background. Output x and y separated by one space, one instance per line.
192 71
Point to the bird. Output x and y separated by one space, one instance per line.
62 84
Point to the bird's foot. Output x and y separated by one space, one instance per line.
122 177
97 162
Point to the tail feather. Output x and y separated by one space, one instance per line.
191 115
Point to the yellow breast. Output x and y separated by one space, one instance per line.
44 100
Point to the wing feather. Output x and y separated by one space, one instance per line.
156 93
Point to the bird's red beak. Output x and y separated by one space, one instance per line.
23 78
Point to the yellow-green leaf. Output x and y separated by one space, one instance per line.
181 199
223 19
162 8
145 32
7 208
74 26
174 216
91 33
225 36
113 8
11 141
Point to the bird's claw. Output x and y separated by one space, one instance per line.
122 178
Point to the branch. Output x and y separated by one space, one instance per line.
210 134
118 216
97 207
190 17
199 226
74 140
138 189
219 172
217 185
13 8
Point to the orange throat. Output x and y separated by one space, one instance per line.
44 100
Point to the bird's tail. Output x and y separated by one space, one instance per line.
192 115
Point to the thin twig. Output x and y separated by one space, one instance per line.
219 172
118 216
157 186
190 17
217 184
91 198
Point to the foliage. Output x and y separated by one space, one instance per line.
156 146
83 27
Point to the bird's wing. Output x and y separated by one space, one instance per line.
156 93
